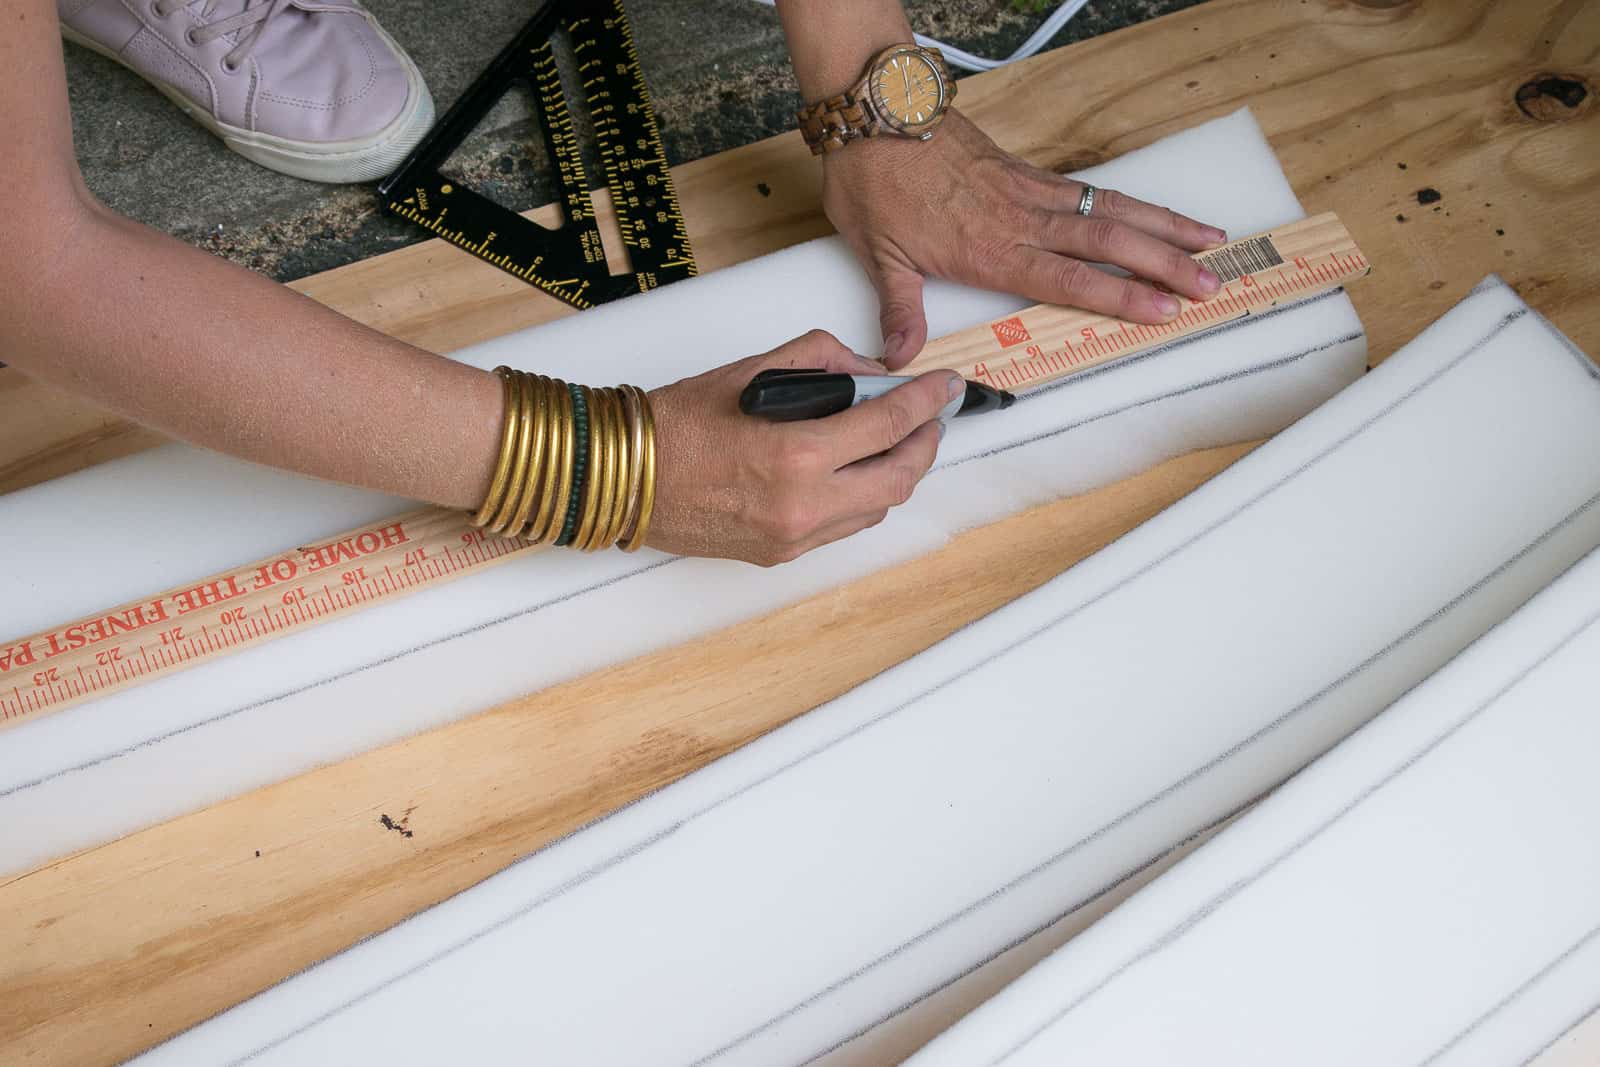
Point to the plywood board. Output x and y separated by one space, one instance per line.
117 947
1347 90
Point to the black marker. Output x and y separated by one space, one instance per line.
788 395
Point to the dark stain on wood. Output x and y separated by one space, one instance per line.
398 827
1551 97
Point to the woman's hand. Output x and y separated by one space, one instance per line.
958 207
743 488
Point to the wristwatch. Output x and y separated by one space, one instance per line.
905 91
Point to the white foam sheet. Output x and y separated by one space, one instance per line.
1423 894
785 901
128 528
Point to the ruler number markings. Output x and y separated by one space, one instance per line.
1042 344
567 262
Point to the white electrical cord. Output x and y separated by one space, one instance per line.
1040 37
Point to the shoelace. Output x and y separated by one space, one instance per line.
254 14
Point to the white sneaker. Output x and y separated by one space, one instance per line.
312 88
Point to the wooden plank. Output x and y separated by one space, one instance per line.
116 948
108 950
1346 89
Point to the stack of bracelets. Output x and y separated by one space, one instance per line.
577 465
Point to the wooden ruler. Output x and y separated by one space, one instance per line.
298 588
1046 342
248 605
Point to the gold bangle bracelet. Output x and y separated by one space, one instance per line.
619 471
502 466
519 460
630 512
647 500
606 475
628 476
531 490
588 507
607 535
622 468
532 481
518 428
552 460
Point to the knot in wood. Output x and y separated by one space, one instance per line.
1553 97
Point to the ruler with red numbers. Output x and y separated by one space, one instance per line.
306 585
213 616
1045 343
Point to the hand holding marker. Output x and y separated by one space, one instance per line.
788 395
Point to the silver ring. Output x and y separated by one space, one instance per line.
1086 202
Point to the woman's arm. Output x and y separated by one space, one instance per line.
958 207
206 351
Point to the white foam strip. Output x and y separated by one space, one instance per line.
791 896
129 528
1423 894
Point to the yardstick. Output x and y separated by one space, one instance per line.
309 584
1047 342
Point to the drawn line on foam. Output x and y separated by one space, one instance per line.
1219 900
1269 365
1505 322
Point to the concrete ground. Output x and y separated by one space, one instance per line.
718 75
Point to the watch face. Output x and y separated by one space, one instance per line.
908 91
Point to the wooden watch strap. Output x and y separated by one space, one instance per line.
830 124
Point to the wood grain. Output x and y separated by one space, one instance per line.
107 951
115 948
1347 90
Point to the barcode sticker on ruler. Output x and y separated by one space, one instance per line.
1247 257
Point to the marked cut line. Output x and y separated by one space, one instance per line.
301 587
